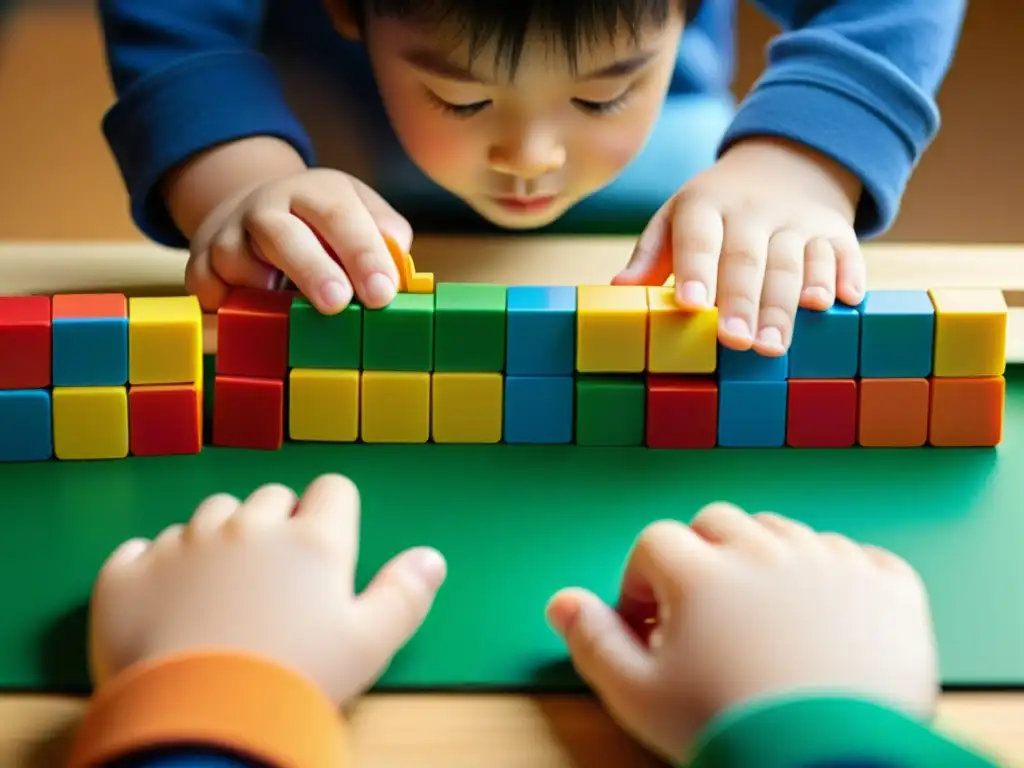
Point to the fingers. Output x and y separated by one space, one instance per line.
387 219
698 234
267 506
730 526
211 515
741 274
819 289
780 295
330 510
651 260
851 272
126 553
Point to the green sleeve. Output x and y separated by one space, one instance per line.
807 732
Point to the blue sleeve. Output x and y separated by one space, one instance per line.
856 80
185 758
188 75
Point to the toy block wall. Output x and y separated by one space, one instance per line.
99 376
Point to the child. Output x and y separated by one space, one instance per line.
520 114
229 642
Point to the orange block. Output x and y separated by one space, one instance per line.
89 306
893 413
967 412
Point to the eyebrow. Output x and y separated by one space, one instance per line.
437 64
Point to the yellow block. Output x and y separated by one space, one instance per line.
970 332
395 407
90 422
323 405
467 407
165 340
611 328
679 341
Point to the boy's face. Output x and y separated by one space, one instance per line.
521 150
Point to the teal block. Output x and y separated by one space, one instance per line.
90 352
26 425
897 335
826 345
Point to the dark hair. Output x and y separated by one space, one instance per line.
507 23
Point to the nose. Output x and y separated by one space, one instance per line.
528 154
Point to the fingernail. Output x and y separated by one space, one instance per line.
335 295
379 289
693 292
770 337
563 615
429 566
736 327
818 294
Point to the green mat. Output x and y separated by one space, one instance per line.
519 522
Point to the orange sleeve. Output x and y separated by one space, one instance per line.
248 705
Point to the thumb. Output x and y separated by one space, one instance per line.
651 260
388 220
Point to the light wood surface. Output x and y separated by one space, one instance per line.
465 730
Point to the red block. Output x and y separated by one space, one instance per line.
252 334
82 306
165 420
681 412
248 413
821 413
25 342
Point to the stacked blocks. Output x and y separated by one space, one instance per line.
26 432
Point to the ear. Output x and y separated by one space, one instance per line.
343 15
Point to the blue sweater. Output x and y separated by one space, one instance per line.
854 79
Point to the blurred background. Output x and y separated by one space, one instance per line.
58 181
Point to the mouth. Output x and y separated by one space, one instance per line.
526 204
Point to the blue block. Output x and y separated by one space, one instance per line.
538 409
752 414
26 425
826 345
897 333
748 365
541 328
90 352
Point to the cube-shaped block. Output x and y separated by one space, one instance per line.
90 423
682 412
967 412
252 334
752 414
90 340
316 340
611 329
750 365
970 332
541 330
395 406
469 327
165 340
679 341
610 410
826 344
165 419
248 413
26 425
538 410
400 336
323 405
893 413
467 407
821 413
897 334
25 342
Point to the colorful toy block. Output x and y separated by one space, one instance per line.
679 341
165 340
821 413
682 412
165 420
323 405
252 334
611 329
893 413
409 280
400 336
90 423
248 413
610 410
26 425
538 410
469 327
541 330
25 342
897 330
826 345
970 332
90 340
467 407
749 365
967 412
395 406
317 340
752 414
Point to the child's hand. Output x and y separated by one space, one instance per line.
768 228
748 607
254 578
321 228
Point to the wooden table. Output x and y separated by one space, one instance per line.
456 730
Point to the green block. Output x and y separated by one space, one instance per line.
610 410
324 341
400 336
470 327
